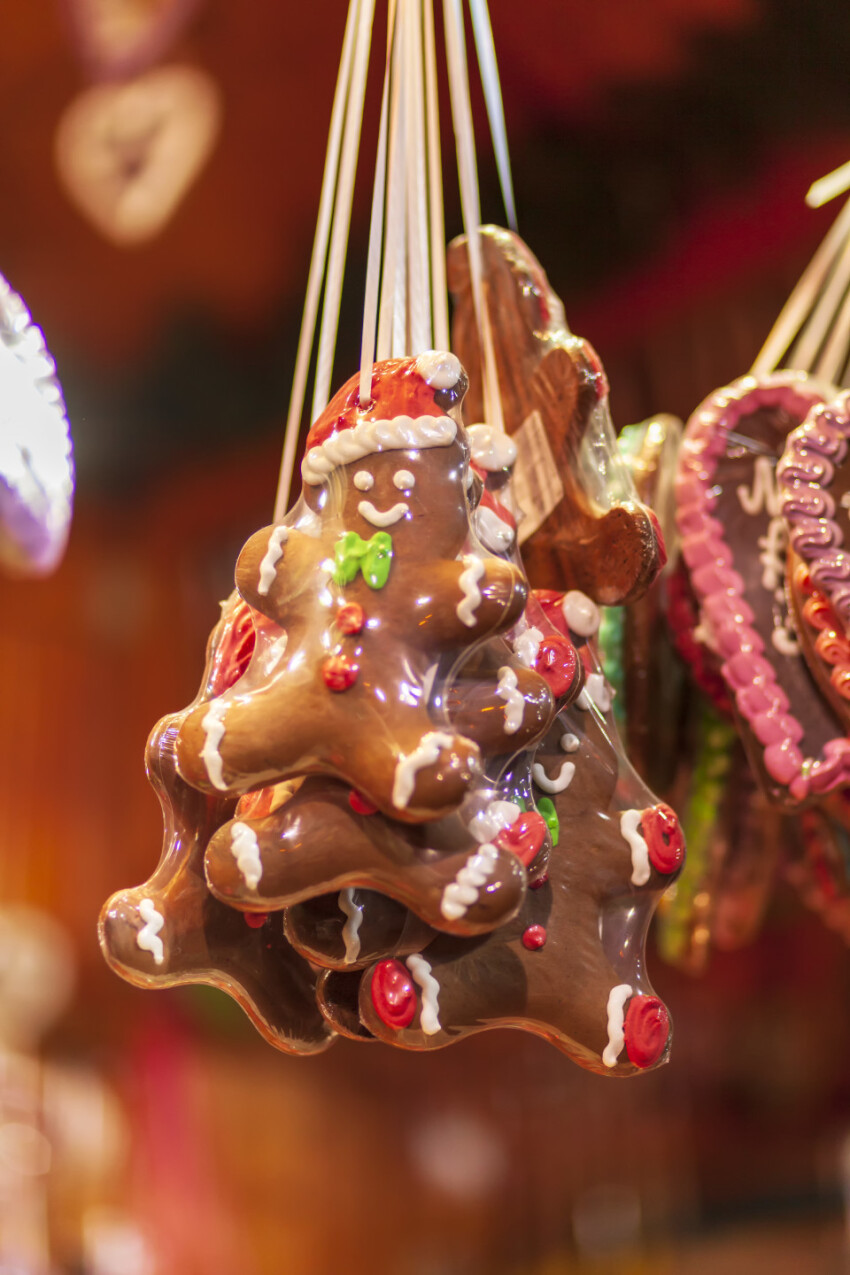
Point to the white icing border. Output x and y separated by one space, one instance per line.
273 555
617 998
212 724
473 570
367 437
641 867
429 1014
351 930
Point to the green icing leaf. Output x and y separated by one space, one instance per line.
546 807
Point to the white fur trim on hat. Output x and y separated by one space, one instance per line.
368 437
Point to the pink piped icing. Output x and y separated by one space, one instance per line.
759 698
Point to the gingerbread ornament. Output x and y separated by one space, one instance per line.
582 524
171 930
375 589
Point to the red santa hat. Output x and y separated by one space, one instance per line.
403 414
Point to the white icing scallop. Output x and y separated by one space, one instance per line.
508 690
616 1015
492 449
629 822
148 936
363 480
367 437
273 555
460 894
581 613
473 570
429 1014
559 784
351 930
409 764
404 480
212 724
439 369
246 852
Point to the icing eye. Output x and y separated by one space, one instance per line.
403 479
363 480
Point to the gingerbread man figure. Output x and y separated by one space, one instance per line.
370 594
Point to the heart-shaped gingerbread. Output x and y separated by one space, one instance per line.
734 542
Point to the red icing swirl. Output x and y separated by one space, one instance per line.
646 1029
556 662
393 994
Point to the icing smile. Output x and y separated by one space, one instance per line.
382 517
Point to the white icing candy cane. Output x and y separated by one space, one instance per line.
563 781
409 764
580 612
429 1015
629 822
460 894
514 703
351 930
273 555
212 724
148 936
616 1013
382 517
246 852
473 570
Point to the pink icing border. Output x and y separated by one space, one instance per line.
758 696
808 464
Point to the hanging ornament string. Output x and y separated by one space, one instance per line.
405 301
812 332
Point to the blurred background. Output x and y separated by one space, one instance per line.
661 153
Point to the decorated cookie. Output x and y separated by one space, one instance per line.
171 930
579 519
353 928
36 469
814 493
734 542
570 966
823 640
373 589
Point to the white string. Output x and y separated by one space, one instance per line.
834 354
342 211
439 291
376 230
419 275
489 68
317 270
395 205
468 180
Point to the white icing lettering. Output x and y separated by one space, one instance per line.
629 824
563 781
381 517
368 437
580 612
148 936
246 852
273 554
409 764
429 1015
460 894
212 724
473 570
763 495
508 690
616 1015
351 930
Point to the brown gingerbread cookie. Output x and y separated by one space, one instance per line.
366 622
582 526
171 930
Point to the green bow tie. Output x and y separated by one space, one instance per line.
373 557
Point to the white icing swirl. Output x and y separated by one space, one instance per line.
429 1014
148 936
381 517
514 703
616 1014
629 822
473 570
273 554
367 437
562 782
492 449
460 894
409 764
212 724
351 930
246 852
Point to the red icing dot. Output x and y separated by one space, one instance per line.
361 805
255 919
534 937
538 881
524 837
557 660
646 1028
339 672
350 618
663 836
393 994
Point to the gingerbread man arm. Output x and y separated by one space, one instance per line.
458 602
277 565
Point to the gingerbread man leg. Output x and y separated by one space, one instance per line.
352 929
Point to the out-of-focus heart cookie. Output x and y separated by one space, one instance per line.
822 638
